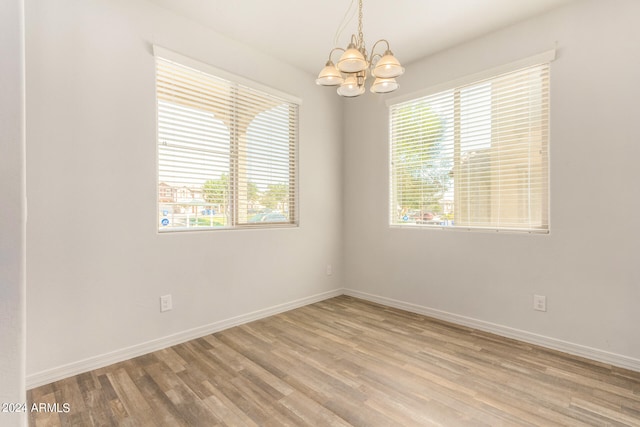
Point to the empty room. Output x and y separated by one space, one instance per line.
296 213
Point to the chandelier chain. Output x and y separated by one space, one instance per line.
360 34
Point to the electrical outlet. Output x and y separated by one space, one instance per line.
329 270
540 303
165 303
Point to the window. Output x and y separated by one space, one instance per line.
474 156
226 150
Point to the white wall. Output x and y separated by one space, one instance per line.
96 264
588 265
12 210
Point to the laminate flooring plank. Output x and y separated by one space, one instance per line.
310 412
274 412
226 409
47 418
116 410
69 392
169 357
164 411
414 409
249 368
136 405
188 406
609 412
356 414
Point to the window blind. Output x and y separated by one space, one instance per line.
226 152
474 156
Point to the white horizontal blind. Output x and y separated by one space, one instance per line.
474 156
226 152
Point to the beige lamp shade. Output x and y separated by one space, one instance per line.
329 76
381 85
388 67
352 60
350 87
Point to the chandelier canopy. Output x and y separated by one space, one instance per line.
355 63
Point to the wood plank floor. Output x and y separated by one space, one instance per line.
347 362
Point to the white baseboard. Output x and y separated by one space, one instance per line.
100 361
50 375
505 331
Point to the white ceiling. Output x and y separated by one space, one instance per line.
302 32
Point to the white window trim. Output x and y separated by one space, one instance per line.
540 58
170 55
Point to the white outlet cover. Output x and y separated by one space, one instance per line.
165 303
540 303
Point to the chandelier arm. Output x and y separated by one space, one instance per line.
376 44
372 61
333 50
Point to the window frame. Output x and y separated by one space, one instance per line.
455 86
161 53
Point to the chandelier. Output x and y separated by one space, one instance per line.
355 63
